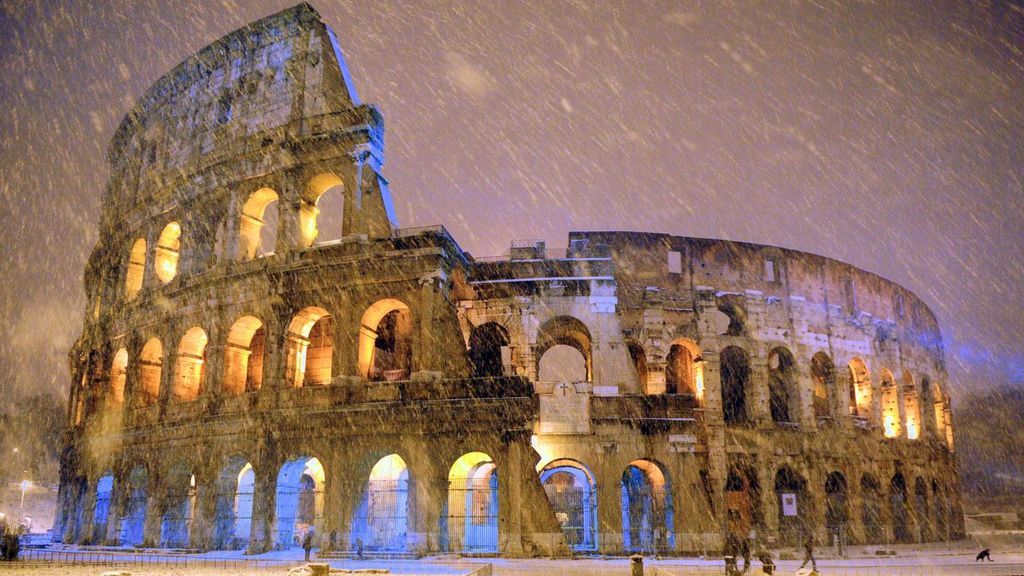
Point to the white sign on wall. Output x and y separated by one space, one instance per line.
789 504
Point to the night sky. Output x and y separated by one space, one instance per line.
889 135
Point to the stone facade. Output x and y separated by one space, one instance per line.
250 372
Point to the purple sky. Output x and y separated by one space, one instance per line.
886 134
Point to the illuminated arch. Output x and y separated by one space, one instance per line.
570 332
168 247
133 519
684 370
381 521
572 491
300 500
385 341
309 207
253 240
243 355
860 389
890 399
647 514
136 269
234 505
911 407
473 504
191 364
310 342
151 366
118 373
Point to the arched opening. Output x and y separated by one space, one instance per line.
179 504
101 512
890 406
871 509
243 356
473 504
300 501
190 370
823 375
489 351
572 491
385 341
791 500
733 308
836 511
257 231
381 521
167 248
911 407
557 336
321 209
783 391
683 372
136 269
741 494
118 373
900 513
151 366
133 522
860 389
233 507
921 510
639 359
735 373
310 347
646 508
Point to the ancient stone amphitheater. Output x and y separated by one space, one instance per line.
267 354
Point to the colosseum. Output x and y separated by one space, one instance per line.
266 354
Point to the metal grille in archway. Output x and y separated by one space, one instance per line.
382 520
576 511
473 514
233 510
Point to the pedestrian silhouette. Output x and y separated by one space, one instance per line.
307 543
809 551
984 555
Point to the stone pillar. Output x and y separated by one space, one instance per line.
289 239
204 513
757 390
609 502
429 494
154 512
805 390
346 339
424 356
261 536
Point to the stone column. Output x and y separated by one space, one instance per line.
609 501
429 494
424 356
261 536
757 390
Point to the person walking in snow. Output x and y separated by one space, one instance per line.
809 551
307 543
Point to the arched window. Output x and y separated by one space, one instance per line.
683 372
191 365
741 494
488 350
136 269
151 366
257 231
244 356
783 390
572 491
385 341
647 517
860 389
836 512
300 500
321 209
133 520
310 347
890 406
233 507
167 248
639 359
566 340
900 511
911 407
101 512
735 372
823 375
118 372
792 502
381 521
472 504
871 509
